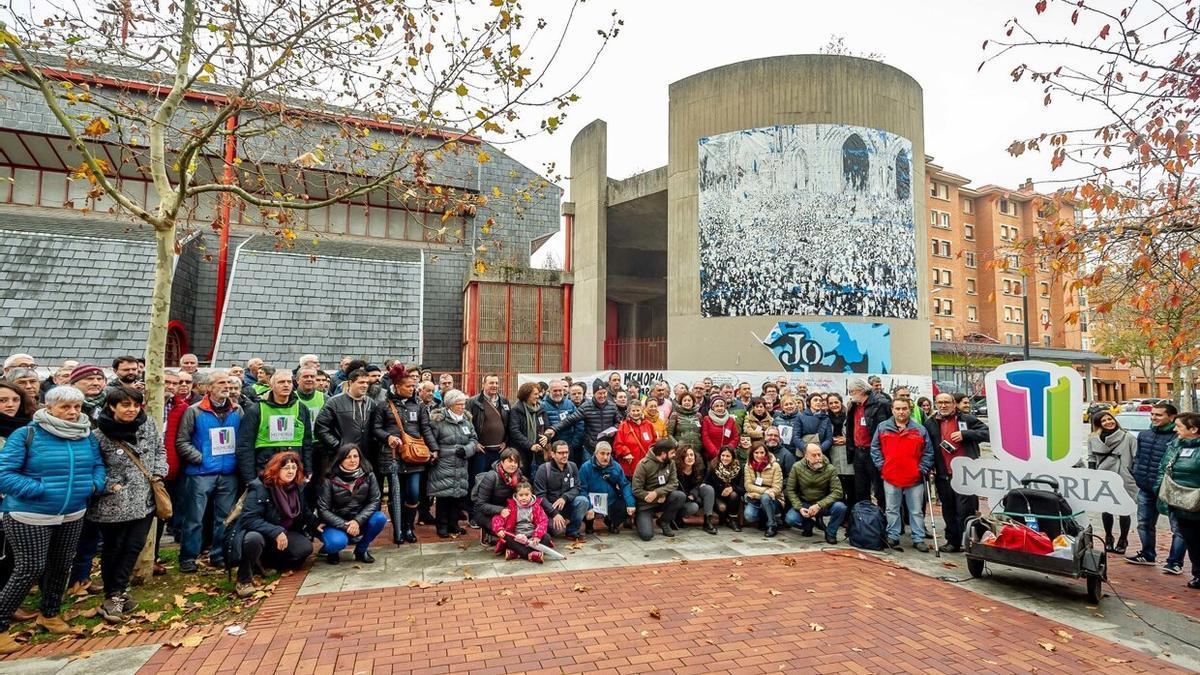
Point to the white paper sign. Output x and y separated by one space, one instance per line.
785 434
281 427
599 502
221 440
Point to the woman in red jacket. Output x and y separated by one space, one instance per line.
718 428
634 438
178 405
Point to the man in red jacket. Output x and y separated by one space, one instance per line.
903 454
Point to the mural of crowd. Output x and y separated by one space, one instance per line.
807 220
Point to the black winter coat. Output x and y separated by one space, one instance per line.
878 409
475 406
595 420
738 484
416 423
340 501
343 420
518 419
975 433
490 495
260 514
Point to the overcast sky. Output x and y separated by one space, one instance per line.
970 117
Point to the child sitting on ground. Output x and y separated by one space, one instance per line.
521 525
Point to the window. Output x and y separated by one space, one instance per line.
937 333
1008 314
939 219
1046 318
943 306
1014 261
1045 340
940 247
1007 206
1008 287
1017 290
941 277
939 191
1083 322
968 206
970 286
1044 289
972 313
1012 314
945 220
945 248
948 333
969 257
1085 343
969 232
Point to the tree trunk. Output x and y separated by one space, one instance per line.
156 347
1176 387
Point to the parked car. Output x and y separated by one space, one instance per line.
1141 404
1133 422
1100 406
979 407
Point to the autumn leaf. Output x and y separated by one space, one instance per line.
1040 6
483 157
461 90
480 267
774 592
580 588
654 613
1048 646
442 600
79 656
1113 659
816 627
788 561
696 609
644 633
193 640
1064 635
737 563
506 592
97 127
1104 31
180 601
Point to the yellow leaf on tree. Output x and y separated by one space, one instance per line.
484 158
412 61
97 127
496 192
480 267
461 89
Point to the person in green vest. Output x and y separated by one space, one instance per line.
263 385
277 423
917 415
306 390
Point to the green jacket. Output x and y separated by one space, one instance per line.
653 476
1186 472
822 487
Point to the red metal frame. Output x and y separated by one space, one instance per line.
568 291
226 207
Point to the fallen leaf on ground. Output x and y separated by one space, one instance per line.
1112 659
193 589
809 590
654 613
683 562
419 584
443 600
788 561
891 574
856 649
193 640
580 588
774 592
1048 646
735 577
1063 634
644 633
180 601
949 564
575 546
467 573
709 642
96 629
985 610
79 656
410 618
464 546
967 619
738 563
654 572
506 592
696 609
868 606
176 625
816 627
991 663
80 614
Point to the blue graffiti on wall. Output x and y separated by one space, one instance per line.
832 347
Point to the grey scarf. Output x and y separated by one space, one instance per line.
72 431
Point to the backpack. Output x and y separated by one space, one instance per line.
867 527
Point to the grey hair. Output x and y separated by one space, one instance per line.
857 384
282 372
203 377
602 445
64 394
18 373
453 396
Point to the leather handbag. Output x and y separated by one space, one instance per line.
412 448
1178 496
162 499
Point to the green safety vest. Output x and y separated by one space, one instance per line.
273 420
314 403
261 389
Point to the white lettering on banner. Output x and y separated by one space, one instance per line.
1084 489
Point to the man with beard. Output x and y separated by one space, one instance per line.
774 444
377 389
127 373
815 491
345 420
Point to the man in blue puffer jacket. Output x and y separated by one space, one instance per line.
601 474
557 406
814 427
1151 446
206 443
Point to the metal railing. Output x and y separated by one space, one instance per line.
643 354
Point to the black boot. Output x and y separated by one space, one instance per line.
735 523
710 525
589 526
408 514
441 518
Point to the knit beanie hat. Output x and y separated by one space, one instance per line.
84 370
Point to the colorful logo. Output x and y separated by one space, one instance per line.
222 436
1033 410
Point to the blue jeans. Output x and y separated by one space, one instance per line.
335 540
574 511
1147 529
836 512
85 552
769 507
914 498
194 496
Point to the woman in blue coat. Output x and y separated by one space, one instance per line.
48 471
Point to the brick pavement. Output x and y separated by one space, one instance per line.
823 612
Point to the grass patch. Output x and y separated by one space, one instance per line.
171 601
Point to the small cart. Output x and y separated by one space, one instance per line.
1053 516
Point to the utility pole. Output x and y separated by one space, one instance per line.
1025 312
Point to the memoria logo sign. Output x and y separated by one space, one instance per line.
1033 413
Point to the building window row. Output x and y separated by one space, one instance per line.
1007 206
940 219
943 334
1013 339
942 277
1013 314
1009 233
939 191
943 306
1012 287
940 247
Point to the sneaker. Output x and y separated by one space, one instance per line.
950 548
333 558
1172 568
187 566
129 605
921 546
894 544
830 539
1139 559
113 609
1194 583
244 590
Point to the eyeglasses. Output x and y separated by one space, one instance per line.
24 365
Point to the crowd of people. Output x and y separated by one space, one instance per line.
261 462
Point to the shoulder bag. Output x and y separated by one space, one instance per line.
162 499
412 448
1178 496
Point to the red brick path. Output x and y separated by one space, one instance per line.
832 613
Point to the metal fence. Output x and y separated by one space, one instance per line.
646 354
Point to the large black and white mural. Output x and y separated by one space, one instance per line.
812 219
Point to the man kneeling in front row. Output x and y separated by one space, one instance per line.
815 491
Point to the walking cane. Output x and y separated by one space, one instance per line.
937 551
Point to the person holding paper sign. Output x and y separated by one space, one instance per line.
656 489
787 422
717 428
601 476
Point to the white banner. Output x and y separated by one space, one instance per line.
918 385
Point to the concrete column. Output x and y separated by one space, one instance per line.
589 192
